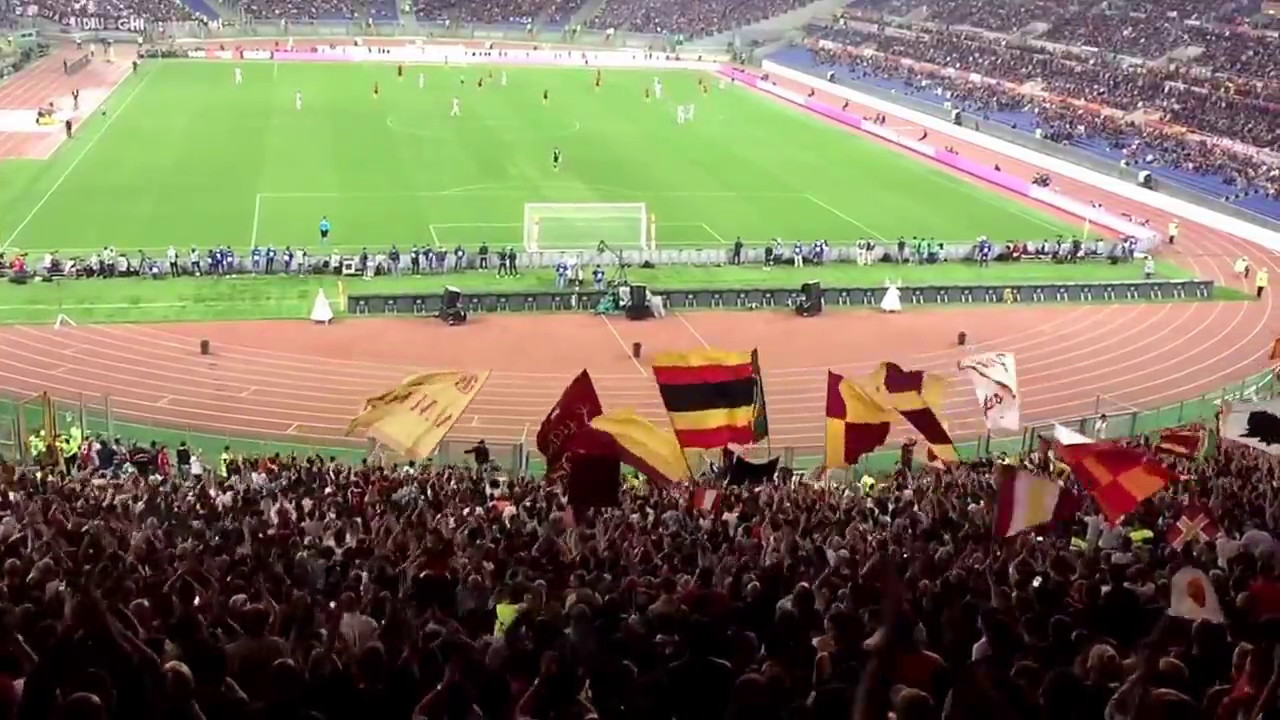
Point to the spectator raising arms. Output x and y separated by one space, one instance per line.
307 588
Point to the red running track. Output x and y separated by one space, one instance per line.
43 83
298 381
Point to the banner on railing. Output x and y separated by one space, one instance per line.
125 23
212 54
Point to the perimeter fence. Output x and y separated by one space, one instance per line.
20 417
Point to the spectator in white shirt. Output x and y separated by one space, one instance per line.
355 628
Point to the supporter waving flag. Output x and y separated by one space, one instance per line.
1025 500
856 423
629 438
577 407
995 379
414 417
1118 477
714 398
1195 523
1188 441
917 396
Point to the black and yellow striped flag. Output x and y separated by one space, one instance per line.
714 398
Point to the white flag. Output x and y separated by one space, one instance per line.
995 379
1067 436
1192 597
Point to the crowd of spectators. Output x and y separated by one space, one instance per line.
1239 54
495 12
691 18
160 10
298 9
144 582
1134 27
1033 78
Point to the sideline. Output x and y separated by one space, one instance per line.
83 151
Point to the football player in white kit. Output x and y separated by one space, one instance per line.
422 80
456 110
297 100
239 77
657 88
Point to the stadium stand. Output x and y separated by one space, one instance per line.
696 18
160 10
145 582
1029 86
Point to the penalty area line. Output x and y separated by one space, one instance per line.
844 217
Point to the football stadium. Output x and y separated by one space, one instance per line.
238 165
518 359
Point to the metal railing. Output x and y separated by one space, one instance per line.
249 28
95 414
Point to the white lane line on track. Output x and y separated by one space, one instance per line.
623 344
397 372
696 335
158 364
306 367
255 418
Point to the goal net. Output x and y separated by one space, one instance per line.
583 226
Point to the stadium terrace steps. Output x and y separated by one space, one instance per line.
203 8
382 11
588 10
1208 185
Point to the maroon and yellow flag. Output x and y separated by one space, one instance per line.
577 407
917 396
856 422
1118 477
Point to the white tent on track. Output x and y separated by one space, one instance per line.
320 311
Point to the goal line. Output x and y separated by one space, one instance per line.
616 226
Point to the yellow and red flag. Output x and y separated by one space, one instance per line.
1026 499
918 397
856 422
637 442
1118 477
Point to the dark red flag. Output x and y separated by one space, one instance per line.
1187 441
577 407
591 468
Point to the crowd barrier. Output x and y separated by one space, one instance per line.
97 415
1180 208
414 30
459 55
19 417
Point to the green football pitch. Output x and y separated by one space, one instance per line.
182 156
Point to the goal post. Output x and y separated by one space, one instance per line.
583 226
